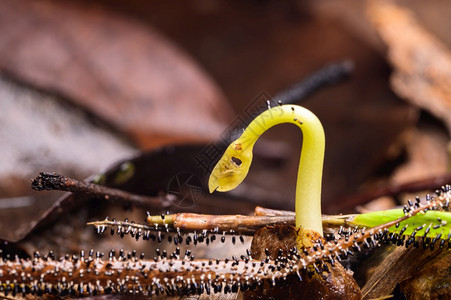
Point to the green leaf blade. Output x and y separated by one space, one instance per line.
438 222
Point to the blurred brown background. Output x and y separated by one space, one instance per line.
86 84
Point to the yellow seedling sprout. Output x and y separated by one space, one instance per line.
234 165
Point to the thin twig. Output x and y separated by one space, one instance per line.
53 181
188 222
242 224
328 75
238 223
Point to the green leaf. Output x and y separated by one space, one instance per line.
438 222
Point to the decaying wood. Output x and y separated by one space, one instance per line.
275 241
433 281
399 266
422 63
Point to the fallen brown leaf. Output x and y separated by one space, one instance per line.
422 63
125 73
427 155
